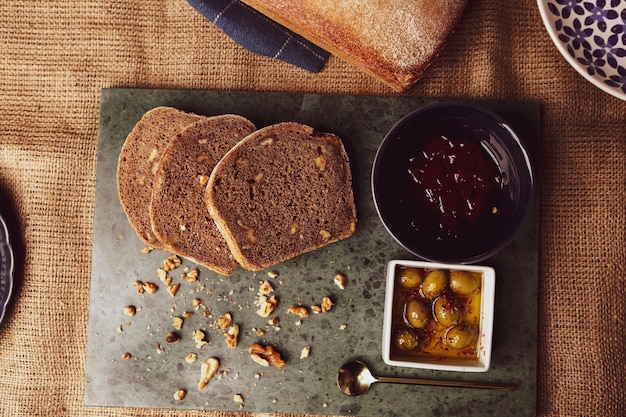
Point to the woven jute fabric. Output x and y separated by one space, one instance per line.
56 56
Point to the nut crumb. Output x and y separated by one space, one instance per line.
126 356
272 274
146 250
238 398
343 327
191 358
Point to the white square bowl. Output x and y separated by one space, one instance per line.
485 330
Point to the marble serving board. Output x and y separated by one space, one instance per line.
351 329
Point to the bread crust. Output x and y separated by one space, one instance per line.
138 162
178 214
392 40
282 191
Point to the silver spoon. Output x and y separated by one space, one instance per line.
355 378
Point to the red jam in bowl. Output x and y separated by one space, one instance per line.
454 185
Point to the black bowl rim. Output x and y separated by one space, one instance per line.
517 139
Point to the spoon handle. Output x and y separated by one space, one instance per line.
441 383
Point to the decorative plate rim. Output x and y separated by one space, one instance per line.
6 268
555 28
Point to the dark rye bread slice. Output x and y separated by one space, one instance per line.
138 162
282 191
178 213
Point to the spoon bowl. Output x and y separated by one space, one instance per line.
355 378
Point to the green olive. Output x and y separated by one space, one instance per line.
461 336
463 282
406 339
416 313
410 277
435 283
446 311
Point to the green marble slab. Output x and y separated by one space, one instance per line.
352 329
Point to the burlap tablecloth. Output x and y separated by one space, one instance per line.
55 56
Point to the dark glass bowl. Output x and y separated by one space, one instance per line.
470 214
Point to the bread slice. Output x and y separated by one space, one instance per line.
139 160
282 191
178 213
394 40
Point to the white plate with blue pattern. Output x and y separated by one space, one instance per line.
6 268
591 35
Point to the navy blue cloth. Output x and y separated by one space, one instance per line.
259 34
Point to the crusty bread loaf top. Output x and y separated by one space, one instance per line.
178 213
282 191
393 40
138 162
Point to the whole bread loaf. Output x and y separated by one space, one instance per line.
139 160
282 191
178 213
393 40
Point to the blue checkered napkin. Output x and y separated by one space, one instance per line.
259 34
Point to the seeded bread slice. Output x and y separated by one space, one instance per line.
178 213
282 191
139 161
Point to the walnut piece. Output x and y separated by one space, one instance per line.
224 321
327 304
198 337
130 310
172 338
150 287
266 287
180 394
340 280
299 310
177 323
266 305
232 336
305 352
173 289
267 354
171 263
207 371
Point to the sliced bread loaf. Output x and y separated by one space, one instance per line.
282 191
139 161
178 213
